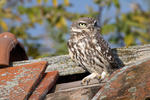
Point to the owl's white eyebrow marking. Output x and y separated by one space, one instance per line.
76 30
82 21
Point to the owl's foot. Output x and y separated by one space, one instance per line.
102 77
87 79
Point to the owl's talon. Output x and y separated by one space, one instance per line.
88 78
85 81
99 79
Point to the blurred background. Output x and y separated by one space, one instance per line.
42 26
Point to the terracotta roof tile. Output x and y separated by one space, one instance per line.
128 83
10 49
45 85
17 83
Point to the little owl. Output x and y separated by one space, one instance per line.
88 48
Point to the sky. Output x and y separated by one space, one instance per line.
80 6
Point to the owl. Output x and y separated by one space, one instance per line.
87 47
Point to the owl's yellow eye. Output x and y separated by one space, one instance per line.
82 25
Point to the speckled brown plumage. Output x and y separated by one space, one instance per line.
88 48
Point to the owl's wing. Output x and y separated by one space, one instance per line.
107 52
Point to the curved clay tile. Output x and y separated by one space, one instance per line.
10 49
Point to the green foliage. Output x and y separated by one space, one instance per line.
134 25
128 27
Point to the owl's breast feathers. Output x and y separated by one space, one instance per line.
91 50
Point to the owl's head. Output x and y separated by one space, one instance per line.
85 24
